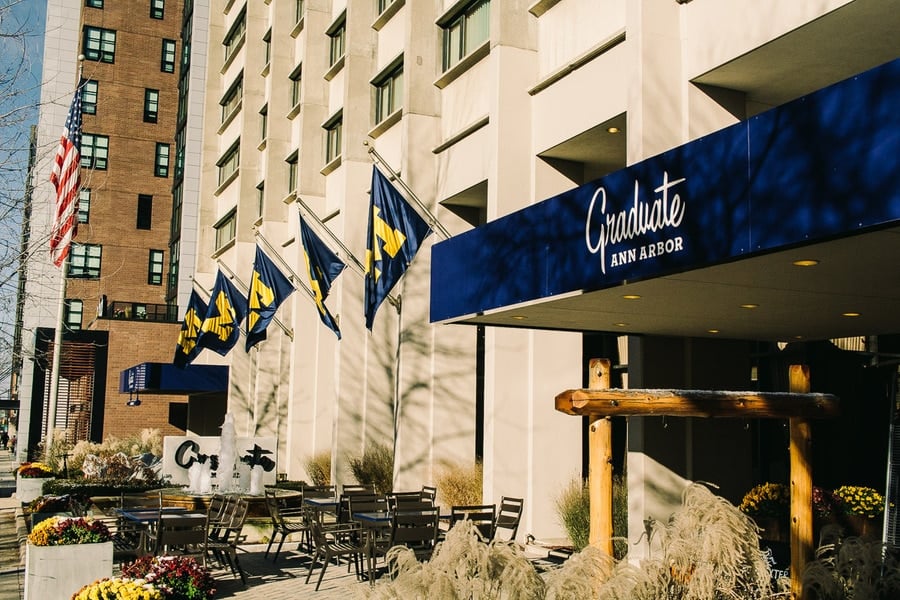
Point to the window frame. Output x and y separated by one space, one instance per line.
155 267
455 43
104 42
235 36
85 261
144 217
296 88
94 3
334 137
230 162
293 171
389 82
70 312
162 159
168 56
151 105
157 9
337 44
233 98
94 155
90 91
84 205
226 229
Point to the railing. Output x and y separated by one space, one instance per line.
141 311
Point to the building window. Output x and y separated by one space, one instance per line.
231 102
84 261
337 32
99 44
383 5
157 9
84 205
94 3
296 77
292 172
235 36
89 91
267 43
155 267
298 14
260 198
167 62
333 137
151 105
264 121
229 162
161 168
94 151
225 229
466 31
74 310
144 211
388 93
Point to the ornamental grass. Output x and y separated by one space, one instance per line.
64 531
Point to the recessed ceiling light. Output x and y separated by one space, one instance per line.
806 262
612 130
712 331
749 305
632 296
519 317
620 324
850 314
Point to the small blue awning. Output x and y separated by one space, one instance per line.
163 378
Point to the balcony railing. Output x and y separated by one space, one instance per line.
141 311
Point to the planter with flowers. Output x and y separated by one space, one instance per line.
63 554
30 479
859 510
768 504
176 577
118 588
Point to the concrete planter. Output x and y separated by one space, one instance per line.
29 488
60 571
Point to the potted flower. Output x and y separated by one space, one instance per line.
859 509
30 479
769 505
118 588
62 554
176 577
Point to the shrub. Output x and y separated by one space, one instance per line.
459 484
87 487
118 588
62 531
318 467
145 441
375 466
573 506
177 577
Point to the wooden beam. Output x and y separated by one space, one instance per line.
697 403
600 480
801 484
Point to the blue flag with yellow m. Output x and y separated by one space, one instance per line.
186 348
323 267
268 289
394 235
221 326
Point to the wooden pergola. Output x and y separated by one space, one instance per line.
599 402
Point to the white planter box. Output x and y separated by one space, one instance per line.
29 488
60 571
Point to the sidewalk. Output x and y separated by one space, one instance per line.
265 580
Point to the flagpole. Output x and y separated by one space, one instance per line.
433 221
57 359
285 265
350 255
231 273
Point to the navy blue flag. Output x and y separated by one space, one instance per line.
394 235
221 326
323 267
186 348
268 289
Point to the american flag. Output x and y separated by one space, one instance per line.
66 178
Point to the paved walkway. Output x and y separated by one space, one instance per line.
265 580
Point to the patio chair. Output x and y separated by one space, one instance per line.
509 513
224 547
287 518
129 537
429 493
334 542
482 515
181 535
414 528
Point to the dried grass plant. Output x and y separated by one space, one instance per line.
573 506
375 466
852 569
318 467
459 484
145 441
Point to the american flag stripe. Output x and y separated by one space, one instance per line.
66 178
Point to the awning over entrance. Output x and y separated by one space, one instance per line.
163 378
706 227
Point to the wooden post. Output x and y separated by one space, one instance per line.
600 481
801 484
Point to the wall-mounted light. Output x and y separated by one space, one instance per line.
133 399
